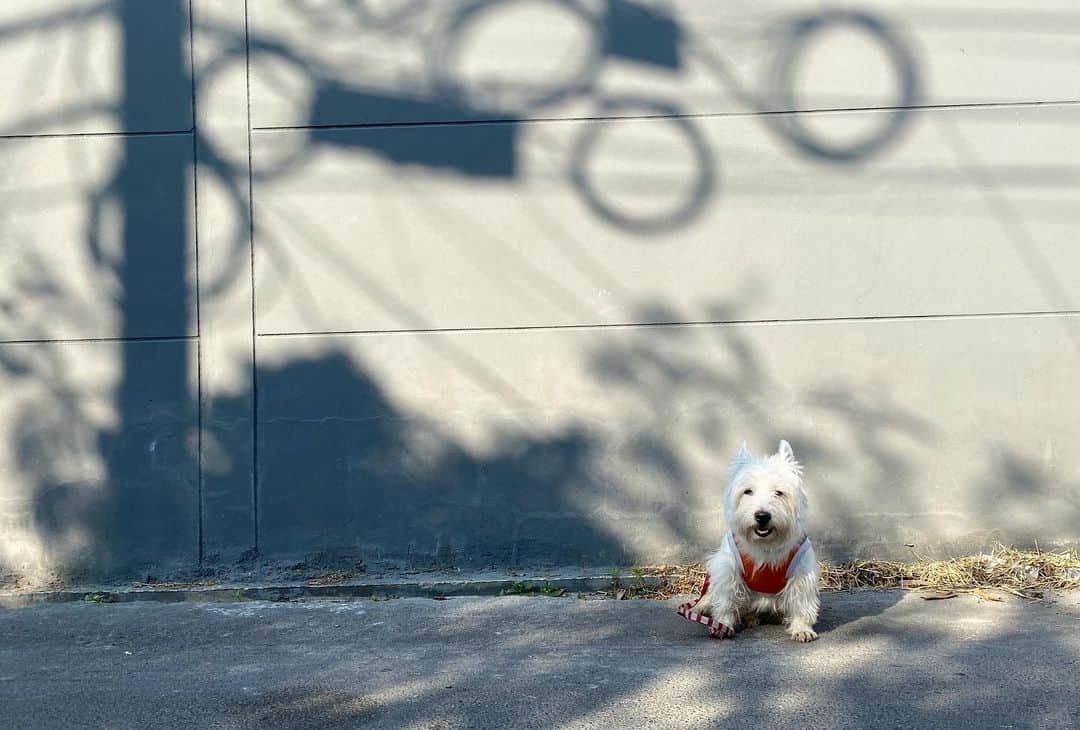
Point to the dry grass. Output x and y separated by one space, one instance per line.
675 580
181 584
329 578
1023 573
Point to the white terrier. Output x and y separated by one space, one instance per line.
766 566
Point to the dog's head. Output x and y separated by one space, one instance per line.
764 503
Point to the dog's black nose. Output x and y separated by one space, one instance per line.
762 517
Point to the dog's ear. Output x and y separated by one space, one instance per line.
785 454
785 451
740 460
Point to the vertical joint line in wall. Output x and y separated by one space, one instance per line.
199 447
198 295
251 243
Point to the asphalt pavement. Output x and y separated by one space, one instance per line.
883 660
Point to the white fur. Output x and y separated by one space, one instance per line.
775 485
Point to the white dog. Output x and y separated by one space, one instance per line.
766 566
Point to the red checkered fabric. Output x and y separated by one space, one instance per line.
687 611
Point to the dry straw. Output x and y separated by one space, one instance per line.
1023 573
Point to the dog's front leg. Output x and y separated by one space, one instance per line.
800 606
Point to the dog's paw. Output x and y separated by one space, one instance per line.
721 632
804 635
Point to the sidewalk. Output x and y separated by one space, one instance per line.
883 660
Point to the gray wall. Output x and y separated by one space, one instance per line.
430 282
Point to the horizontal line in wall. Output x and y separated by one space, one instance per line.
64 135
702 115
693 323
61 341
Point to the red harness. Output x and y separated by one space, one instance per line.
767 578
758 578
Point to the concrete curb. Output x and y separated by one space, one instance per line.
294 592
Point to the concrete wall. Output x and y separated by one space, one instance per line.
505 282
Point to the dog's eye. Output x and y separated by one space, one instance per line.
779 493
748 491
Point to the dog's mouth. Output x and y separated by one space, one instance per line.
763 532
